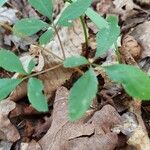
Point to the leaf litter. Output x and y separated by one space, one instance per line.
94 130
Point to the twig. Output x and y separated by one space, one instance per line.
84 30
43 71
61 45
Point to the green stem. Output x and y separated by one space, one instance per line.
83 26
118 53
61 45
84 30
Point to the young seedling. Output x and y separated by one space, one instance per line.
10 62
84 90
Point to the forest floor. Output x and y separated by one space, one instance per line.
114 120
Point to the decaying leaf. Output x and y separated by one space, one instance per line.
128 125
94 133
54 78
71 38
141 34
33 145
132 46
5 145
8 15
10 133
19 92
124 8
139 138
143 2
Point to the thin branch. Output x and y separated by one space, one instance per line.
84 30
61 45
42 72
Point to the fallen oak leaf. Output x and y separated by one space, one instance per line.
61 124
83 134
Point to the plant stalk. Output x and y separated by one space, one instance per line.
61 45
83 26
84 30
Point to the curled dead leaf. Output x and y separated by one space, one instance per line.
132 46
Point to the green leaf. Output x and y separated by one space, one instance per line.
28 26
35 95
31 65
75 61
135 82
7 86
45 7
107 36
2 2
10 62
96 18
81 95
46 37
74 11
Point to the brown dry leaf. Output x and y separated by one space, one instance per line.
126 8
53 79
60 122
130 50
42 128
8 130
139 138
23 110
103 6
33 145
19 93
128 125
141 34
83 134
71 38
24 9
143 2
132 46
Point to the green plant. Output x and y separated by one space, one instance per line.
10 62
2 2
135 82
